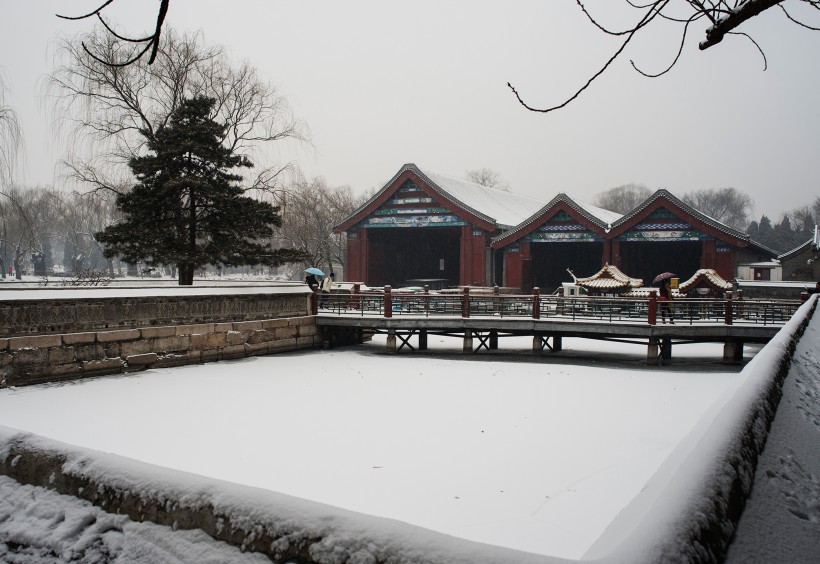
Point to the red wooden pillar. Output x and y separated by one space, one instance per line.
615 253
473 256
512 266
653 308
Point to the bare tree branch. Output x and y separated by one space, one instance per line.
725 16
151 41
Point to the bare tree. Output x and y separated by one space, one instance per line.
309 212
116 110
488 177
623 198
719 17
727 205
78 217
10 138
27 221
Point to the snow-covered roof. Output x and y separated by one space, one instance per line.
708 276
667 195
762 264
506 209
608 216
609 278
498 207
595 215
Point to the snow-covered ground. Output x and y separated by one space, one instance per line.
534 453
39 526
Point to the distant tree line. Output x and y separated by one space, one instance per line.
794 228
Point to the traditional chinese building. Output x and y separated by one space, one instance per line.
424 228
803 262
427 228
661 234
563 235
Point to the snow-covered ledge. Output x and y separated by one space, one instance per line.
690 508
283 527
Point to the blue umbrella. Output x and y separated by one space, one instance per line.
314 270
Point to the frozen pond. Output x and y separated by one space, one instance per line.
533 453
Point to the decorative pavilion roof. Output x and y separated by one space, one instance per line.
705 277
608 278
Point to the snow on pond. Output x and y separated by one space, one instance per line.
533 453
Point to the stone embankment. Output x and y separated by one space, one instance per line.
50 335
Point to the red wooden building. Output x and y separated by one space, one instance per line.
423 227
661 234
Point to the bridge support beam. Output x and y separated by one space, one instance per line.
467 347
732 352
391 340
422 339
652 351
666 349
493 340
557 343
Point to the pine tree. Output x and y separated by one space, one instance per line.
187 208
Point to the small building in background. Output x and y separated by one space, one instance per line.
803 263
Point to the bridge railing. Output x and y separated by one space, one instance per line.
649 310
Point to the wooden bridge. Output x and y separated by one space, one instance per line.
480 319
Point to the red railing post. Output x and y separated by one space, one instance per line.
536 303
653 307
804 296
388 302
727 309
465 302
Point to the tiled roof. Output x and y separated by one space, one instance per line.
797 250
498 207
609 277
709 276
595 215
505 209
666 194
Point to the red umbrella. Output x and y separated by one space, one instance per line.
663 276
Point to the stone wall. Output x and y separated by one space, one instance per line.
36 359
134 308
49 335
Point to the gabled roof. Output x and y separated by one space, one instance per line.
483 205
797 250
595 218
608 278
705 276
651 203
813 243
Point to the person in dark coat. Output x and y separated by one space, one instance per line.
311 281
665 300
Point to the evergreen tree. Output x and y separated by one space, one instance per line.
187 208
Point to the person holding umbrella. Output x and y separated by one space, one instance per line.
310 278
665 296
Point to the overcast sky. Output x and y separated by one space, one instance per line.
384 83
